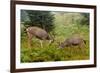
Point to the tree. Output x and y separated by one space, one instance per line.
24 16
42 19
85 19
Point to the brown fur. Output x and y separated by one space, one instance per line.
38 33
73 41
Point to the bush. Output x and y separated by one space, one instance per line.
43 19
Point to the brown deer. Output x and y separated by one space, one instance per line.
73 41
38 33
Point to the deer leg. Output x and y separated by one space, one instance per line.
50 41
82 45
29 39
41 43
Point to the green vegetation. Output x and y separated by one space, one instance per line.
43 19
66 25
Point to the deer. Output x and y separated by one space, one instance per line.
39 33
73 41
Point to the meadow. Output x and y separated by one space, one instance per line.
65 27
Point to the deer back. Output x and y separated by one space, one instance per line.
38 32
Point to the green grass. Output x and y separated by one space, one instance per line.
53 52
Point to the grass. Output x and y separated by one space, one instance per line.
53 52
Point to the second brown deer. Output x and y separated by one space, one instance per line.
39 33
73 41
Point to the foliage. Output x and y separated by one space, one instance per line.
85 18
24 16
43 19
64 28
52 52
73 18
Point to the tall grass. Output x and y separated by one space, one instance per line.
53 52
